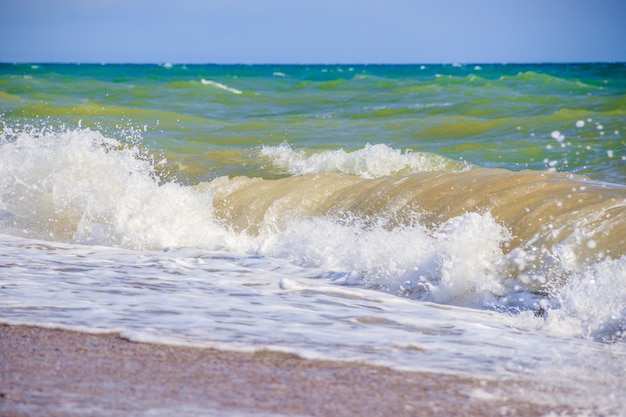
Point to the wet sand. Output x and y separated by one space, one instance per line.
47 372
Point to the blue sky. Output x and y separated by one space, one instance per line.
320 31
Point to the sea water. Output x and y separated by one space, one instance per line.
465 219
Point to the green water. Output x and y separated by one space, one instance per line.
211 120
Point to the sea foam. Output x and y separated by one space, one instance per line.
78 186
371 161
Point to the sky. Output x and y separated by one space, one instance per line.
313 31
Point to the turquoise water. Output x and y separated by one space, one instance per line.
214 115
465 219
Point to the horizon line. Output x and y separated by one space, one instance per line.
172 63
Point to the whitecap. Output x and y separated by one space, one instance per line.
220 86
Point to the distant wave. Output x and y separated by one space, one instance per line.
221 86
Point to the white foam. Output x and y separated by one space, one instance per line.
558 136
371 161
592 304
453 264
78 186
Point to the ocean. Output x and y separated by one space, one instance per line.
460 219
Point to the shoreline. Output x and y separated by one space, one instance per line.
60 372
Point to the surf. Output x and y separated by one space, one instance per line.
79 186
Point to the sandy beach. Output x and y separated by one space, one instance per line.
56 372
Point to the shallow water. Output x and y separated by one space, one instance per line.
461 219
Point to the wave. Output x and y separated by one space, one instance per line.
220 86
371 161
478 237
548 215
376 183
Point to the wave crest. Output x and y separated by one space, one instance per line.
371 161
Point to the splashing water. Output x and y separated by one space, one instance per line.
471 221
